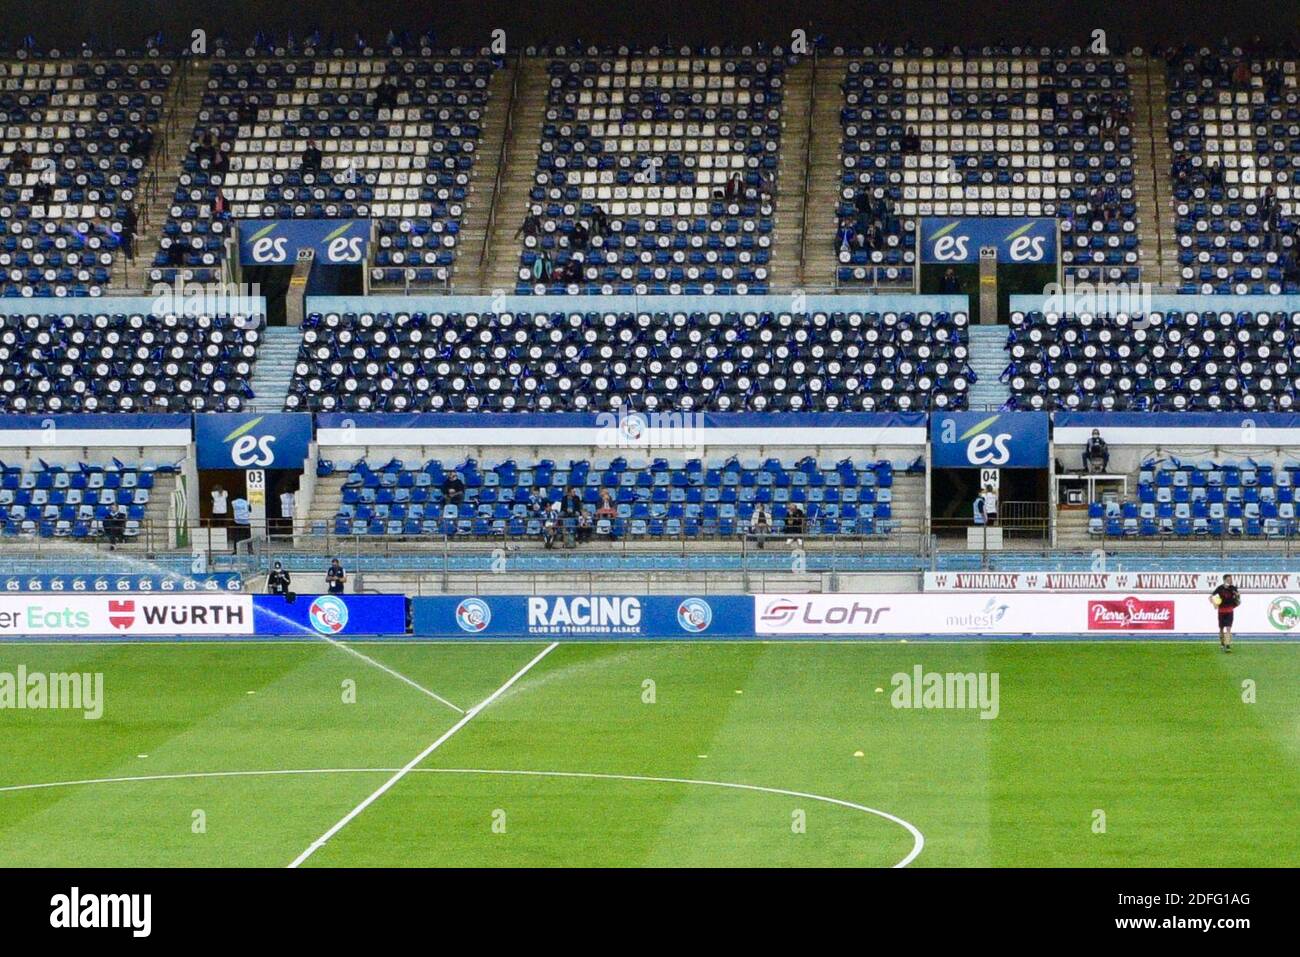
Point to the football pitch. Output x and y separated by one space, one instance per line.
657 754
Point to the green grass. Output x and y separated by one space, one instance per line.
1156 736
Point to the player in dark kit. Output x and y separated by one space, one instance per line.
1225 599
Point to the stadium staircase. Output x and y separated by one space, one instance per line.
791 200
274 369
988 357
501 266
172 139
1158 245
820 254
465 277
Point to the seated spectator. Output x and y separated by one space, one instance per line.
311 158
1096 454
585 528
552 525
206 149
735 187
386 95
600 221
950 284
532 224
794 521
911 141
580 236
605 510
453 488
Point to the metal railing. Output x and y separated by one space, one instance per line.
807 170
507 137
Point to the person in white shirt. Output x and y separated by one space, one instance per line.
990 505
220 500
286 512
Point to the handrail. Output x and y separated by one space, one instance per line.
807 170
507 136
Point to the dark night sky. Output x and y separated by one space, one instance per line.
67 22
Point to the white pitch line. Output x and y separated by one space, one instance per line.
918 839
396 674
384 788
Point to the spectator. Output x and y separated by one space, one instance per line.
551 525
605 509
277 583
311 158
453 488
735 187
21 161
585 528
115 528
1096 454
760 525
950 284
572 501
287 503
335 578
386 95
911 141
241 511
206 150
531 226
990 505
127 235
580 237
794 521
600 221
220 499
46 177
977 509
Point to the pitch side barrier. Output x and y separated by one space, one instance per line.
1099 615
1139 615
183 616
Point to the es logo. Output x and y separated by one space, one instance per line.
949 249
248 450
344 250
1026 249
1021 246
982 445
268 249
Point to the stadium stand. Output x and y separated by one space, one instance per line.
655 174
1011 133
1236 498
1164 361
138 362
574 361
54 501
620 499
75 136
395 138
1235 169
